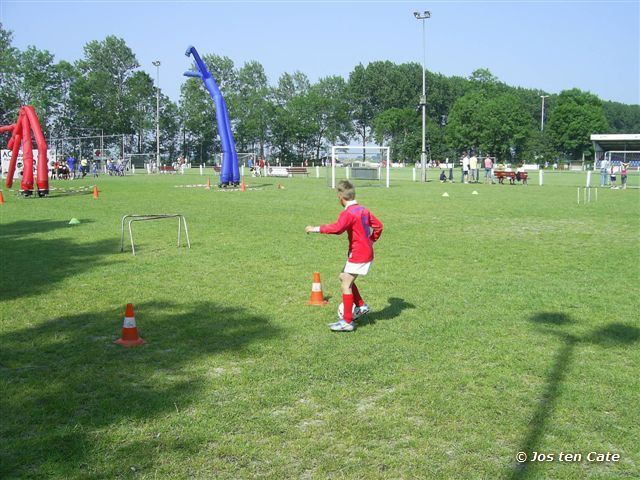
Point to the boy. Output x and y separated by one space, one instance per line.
362 229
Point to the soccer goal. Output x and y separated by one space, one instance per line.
140 160
363 165
614 157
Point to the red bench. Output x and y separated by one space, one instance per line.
297 171
512 176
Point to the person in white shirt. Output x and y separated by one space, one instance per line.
465 168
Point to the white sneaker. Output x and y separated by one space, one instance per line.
360 311
342 326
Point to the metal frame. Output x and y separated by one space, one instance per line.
359 147
158 216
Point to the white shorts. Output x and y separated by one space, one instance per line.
357 268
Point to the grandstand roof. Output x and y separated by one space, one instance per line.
616 141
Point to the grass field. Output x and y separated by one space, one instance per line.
502 322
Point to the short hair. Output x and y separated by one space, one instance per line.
346 190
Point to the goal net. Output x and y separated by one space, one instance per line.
614 157
140 160
366 166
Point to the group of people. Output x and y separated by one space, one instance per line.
114 168
256 168
70 168
609 174
470 169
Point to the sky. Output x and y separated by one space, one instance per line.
547 45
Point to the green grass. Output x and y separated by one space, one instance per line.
502 322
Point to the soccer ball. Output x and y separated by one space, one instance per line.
341 310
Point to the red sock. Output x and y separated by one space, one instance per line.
357 299
347 301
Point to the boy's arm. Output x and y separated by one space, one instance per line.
339 227
376 226
334 228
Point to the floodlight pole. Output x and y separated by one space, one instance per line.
542 112
156 64
423 99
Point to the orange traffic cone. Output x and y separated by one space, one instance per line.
242 186
95 191
317 298
208 187
130 336
1 198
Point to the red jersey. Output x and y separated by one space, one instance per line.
362 228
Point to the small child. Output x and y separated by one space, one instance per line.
443 177
624 169
362 229
614 171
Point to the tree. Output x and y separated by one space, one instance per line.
505 126
577 115
253 108
199 119
140 101
290 131
622 118
169 126
28 78
100 94
328 111
465 122
360 97
65 77
492 124
9 96
401 129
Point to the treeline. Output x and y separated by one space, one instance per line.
296 119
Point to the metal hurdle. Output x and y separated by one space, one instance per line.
158 216
586 195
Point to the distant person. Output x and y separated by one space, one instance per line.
94 169
443 177
521 174
450 167
57 170
71 165
488 167
473 166
604 172
623 175
614 170
84 167
465 168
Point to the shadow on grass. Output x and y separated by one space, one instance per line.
65 383
554 323
391 311
31 264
